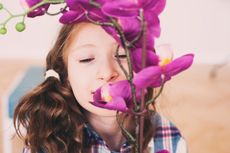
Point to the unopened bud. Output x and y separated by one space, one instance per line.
3 30
1 6
20 26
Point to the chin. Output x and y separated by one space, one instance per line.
102 112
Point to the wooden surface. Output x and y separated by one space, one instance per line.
198 104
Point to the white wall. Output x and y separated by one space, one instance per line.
198 26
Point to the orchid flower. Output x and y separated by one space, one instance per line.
127 13
38 11
117 96
78 9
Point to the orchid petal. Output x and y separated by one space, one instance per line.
178 65
148 77
72 16
120 8
151 59
38 11
117 103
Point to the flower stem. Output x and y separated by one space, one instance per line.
158 94
56 13
140 34
141 122
11 15
97 22
128 135
119 62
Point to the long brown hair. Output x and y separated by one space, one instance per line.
51 115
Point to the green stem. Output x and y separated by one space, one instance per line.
11 16
53 14
140 34
97 22
158 94
143 60
127 51
92 2
119 62
128 135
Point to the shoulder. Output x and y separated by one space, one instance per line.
167 136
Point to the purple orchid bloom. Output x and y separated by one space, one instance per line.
152 76
38 11
136 55
79 8
117 96
176 66
126 11
109 97
130 8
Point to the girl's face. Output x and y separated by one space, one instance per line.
91 63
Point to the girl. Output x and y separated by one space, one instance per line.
58 116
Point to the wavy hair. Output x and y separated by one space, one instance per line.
51 115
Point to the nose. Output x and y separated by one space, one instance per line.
107 71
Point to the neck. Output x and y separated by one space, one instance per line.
108 128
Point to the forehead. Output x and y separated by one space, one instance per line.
88 34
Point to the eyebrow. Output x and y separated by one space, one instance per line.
83 46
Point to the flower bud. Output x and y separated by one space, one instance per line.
3 30
1 6
20 26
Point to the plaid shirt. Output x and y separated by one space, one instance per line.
167 138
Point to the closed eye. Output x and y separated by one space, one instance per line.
86 60
121 56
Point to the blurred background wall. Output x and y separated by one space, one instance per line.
198 103
198 26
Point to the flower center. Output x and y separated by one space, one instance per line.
105 95
165 61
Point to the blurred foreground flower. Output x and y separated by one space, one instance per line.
117 96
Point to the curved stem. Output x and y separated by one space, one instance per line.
158 94
140 34
128 135
97 22
119 62
11 15
53 14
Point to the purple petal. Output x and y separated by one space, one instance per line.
178 65
120 8
72 16
117 103
163 151
153 24
97 95
120 88
131 27
148 77
156 5
73 4
151 59
38 11
149 41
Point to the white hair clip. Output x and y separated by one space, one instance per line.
52 73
